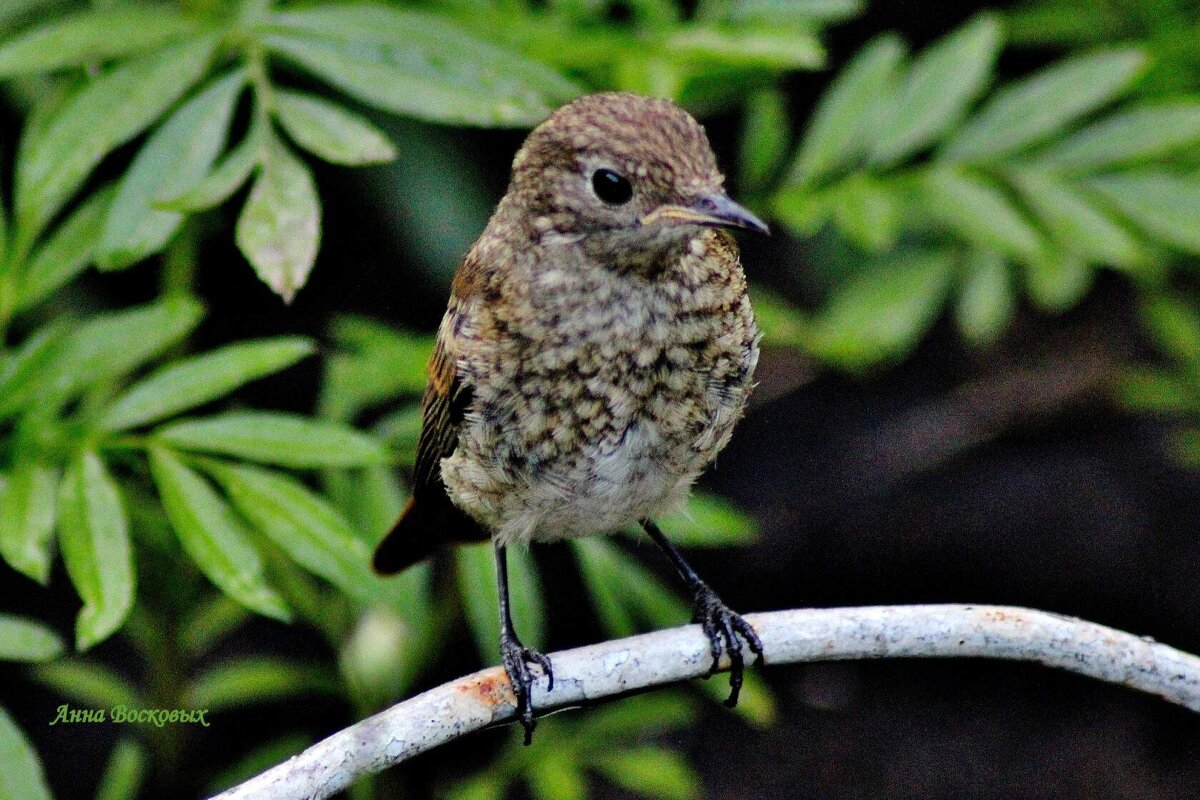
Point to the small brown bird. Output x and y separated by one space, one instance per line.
598 349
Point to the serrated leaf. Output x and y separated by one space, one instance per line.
835 132
22 776
106 113
986 300
709 521
1074 221
882 313
110 345
404 60
980 212
90 36
230 173
306 527
88 683
126 770
279 228
273 437
651 772
260 679
476 575
197 380
25 640
1030 110
66 252
176 156
941 83
213 536
1167 206
27 513
1139 134
93 536
331 132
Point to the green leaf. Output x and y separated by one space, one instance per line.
555 776
200 379
402 431
126 770
1075 223
106 113
24 372
66 253
93 535
110 345
1167 206
1175 325
279 228
942 82
868 210
709 521
882 313
979 212
175 157
1029 111
782 324
1058 281
330 131
628 584
376 363
763 143
90 36
480 787
22 776
836 130
260 679
1136 135
306 527
227 177
406 60
986 300
213 536
635 717
477 587
259 759
764 47
651 772
88 683
1157 391
25 640
288 440
785 12
27 511
208 623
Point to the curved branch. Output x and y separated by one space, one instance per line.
654 659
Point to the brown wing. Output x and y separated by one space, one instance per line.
430 518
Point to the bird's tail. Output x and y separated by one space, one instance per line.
422 528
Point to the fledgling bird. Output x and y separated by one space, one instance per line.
597 352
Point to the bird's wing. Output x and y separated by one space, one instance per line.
442 410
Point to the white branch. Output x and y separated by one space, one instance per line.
611 668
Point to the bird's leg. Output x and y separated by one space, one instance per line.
721 624
516 656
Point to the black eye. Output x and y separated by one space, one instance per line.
611 187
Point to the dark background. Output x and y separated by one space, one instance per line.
1005 476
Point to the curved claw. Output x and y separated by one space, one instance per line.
725 630
517 659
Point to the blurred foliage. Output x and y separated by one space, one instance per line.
185 518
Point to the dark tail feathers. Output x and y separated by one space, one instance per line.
421 529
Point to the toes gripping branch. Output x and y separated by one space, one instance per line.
725 629
517 658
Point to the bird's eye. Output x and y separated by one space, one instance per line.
611 187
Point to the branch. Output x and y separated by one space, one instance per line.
604 670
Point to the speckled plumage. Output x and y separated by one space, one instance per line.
599 364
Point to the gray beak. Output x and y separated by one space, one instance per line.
711 210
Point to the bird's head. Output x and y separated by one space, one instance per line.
622 173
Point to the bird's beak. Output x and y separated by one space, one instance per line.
711 210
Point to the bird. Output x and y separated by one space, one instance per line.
597 350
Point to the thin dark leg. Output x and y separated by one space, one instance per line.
721 625
516 656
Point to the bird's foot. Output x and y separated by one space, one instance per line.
517 660
725 630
